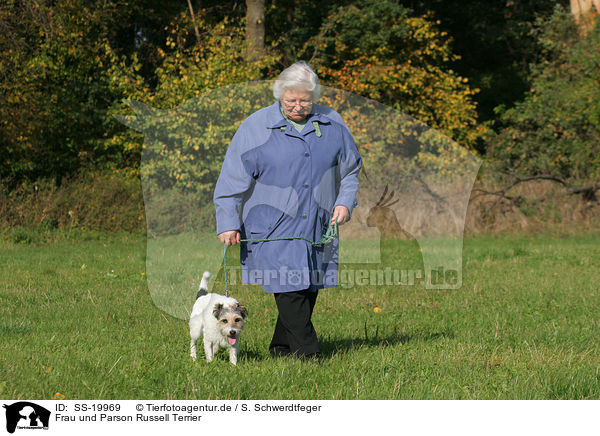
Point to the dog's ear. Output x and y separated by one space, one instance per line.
243 311
217 310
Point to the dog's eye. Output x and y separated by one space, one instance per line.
238 320
224 321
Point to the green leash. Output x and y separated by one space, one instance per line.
328 237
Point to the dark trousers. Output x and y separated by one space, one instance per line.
294 331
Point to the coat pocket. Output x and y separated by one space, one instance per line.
262 222
258 232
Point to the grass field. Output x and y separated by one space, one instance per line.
77 322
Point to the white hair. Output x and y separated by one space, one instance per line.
299 76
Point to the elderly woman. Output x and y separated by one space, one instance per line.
291 169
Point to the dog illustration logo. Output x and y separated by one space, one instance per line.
26 415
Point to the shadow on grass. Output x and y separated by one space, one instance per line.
330 347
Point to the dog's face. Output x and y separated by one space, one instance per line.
231 320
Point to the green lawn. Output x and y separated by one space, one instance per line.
78 319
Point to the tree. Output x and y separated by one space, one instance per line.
290 23
189 126
583 13
255 28
494 42
55 86
554 132
379 50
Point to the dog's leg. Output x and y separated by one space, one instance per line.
195 332
233 352
193 349
208 351
215 348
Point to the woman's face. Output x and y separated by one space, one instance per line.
296 104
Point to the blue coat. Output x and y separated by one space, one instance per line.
276 182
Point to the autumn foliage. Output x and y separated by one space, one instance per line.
70 70
378 50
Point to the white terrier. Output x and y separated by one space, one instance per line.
219 319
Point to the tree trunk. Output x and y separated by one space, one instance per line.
584 16
194 20
255 28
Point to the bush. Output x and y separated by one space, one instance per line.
97 201
24 235
555 130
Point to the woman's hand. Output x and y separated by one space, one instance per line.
341 213
230 237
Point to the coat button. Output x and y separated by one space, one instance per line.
306 154
304 216
306 185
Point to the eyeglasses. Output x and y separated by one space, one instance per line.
290 104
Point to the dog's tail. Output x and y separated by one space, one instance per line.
203 290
